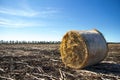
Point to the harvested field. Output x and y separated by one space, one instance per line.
43 62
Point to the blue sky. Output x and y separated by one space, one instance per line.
49 20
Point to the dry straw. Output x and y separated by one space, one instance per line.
83 48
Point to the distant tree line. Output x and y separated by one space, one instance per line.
29 42
113 42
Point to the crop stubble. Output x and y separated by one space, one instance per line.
43 62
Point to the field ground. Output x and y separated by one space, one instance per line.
43 62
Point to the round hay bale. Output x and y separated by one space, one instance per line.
83 48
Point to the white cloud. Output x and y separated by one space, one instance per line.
25 16
19 23
17 18
18 12
27 12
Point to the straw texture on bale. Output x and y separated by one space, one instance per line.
83 48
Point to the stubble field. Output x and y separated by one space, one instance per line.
43 62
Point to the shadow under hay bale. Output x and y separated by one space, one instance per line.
105 68
83 48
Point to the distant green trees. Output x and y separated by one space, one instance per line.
29 42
